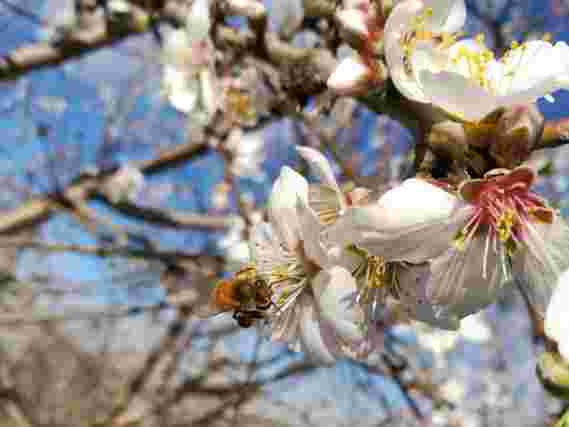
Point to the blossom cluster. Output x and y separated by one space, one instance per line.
343 265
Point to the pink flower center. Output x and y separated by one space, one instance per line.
504 206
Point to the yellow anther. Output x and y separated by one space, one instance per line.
514 45
480 39
429 12
505 224
423 35
488 55
459 241
283 297
547 37
375 273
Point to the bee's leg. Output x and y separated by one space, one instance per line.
265 306
243 319
256 314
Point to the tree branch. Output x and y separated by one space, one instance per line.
39 209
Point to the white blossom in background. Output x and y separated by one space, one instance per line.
557 316
234 248
189 79
52 104
248 150
198 21
124 185
475 329
60 19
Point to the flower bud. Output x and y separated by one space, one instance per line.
350 77
124 185
517 132
448 140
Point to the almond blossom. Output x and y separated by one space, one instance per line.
313 309
415 26
378 280
405 228
557 317
510 232
189 79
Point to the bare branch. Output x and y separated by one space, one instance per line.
38 210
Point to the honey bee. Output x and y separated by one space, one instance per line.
246 294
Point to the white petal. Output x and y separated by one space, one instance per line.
398 25
561 51
425 56
535 64
310 332
198 21
320 167
288 187
460 282
447 15
414 222
557 317
310 229
412 293
457 94
544 258
564 345
335 294
285 327
267 251
349 76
